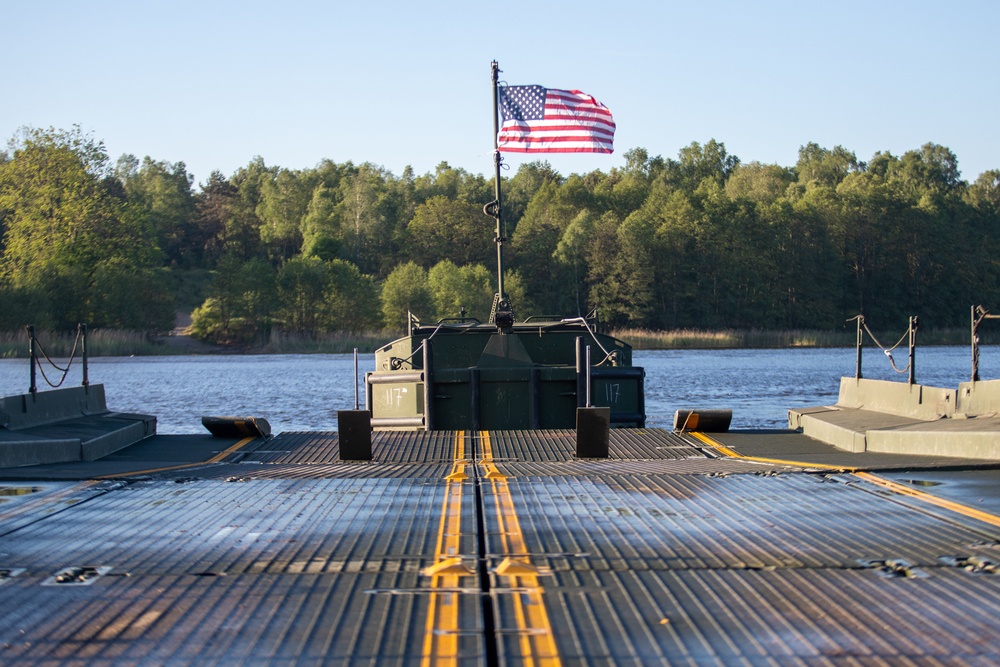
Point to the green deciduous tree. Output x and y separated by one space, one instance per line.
826 167
572 253
285 196
241 307
162 191
455 288
321 234
367 209
760 183
406 290
351 302
532 248
317 296
302 283
710 161
445 228
69 233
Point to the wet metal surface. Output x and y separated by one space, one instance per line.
500 549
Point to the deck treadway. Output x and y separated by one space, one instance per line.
495 548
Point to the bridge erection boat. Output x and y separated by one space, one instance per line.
533 374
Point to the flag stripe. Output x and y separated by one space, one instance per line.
525 139
541 120
589 148
539 128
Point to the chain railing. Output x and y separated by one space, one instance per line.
911 334
36 353
978 315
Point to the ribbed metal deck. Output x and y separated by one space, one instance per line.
494 549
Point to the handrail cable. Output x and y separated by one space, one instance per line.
403 360
69 364
887 351
583 320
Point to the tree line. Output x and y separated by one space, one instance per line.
702 241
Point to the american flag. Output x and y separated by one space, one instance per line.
545 120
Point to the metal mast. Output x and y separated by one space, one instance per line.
502 313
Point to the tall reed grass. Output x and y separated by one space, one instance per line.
642 339
283 342
100 343
112 342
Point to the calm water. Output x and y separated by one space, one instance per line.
303 392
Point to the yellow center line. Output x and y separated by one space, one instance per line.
534 629
442 629
901 489
215 459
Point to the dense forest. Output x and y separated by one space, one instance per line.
703 241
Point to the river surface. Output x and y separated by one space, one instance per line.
304 392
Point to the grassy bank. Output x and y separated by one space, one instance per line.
366 342
100 343
115 343
642 339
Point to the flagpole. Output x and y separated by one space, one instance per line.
502 314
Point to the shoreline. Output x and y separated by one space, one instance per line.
117 343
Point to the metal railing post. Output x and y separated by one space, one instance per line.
859 341
975 346
32 358
429 421
83 349
356 397
913 345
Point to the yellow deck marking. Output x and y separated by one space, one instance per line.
215 459
534 629
904 490
901 489
441 635
733 454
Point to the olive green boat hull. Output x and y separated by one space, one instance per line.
532 377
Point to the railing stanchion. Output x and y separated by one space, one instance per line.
355 378
83 343
32 357
975 346
859 341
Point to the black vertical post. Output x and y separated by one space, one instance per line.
642 399
913 345
476 409
859 341
32 358
428 386
534 386
354 435
356 378
368 392
975 346
83 342
593 432
581 374
497 211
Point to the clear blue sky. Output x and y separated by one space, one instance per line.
214 84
